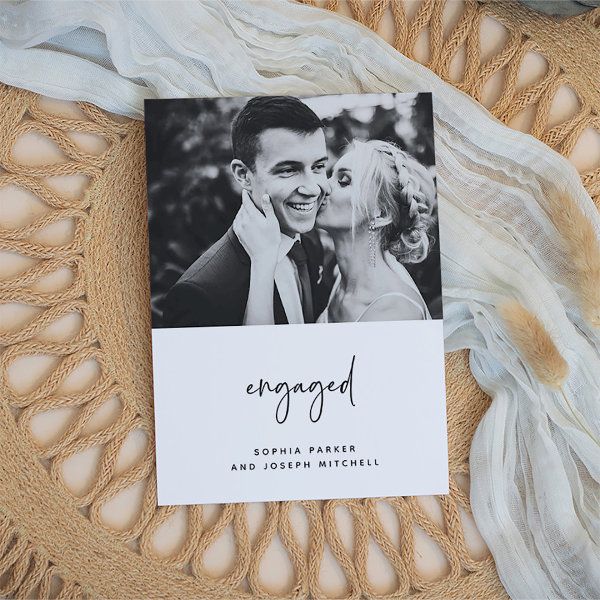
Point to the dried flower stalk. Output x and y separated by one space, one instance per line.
535 344
582 243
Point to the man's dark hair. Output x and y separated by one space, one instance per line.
269 112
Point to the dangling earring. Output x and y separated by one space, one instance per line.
372 243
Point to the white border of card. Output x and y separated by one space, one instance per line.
300 411
383 434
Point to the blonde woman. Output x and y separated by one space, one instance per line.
378 214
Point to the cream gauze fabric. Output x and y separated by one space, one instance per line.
535 459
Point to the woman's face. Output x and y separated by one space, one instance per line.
336 211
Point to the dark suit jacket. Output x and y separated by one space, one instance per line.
214 290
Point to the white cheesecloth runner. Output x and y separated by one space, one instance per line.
535 473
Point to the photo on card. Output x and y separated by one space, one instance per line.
319 214
350 175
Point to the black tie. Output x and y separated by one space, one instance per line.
298 255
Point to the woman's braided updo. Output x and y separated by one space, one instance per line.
405 193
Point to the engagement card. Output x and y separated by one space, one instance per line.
297 332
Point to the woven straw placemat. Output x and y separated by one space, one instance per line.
57 542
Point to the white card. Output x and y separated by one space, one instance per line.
296 298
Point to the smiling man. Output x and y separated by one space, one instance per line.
279 149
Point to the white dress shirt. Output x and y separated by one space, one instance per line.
287 281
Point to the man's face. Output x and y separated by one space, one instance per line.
291 168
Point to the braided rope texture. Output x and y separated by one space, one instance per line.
57 541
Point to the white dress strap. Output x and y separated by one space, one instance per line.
400 295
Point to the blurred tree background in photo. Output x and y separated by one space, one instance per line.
193 198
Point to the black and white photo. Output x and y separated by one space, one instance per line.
275 210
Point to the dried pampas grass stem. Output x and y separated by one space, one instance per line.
535 344
582 243
540 352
